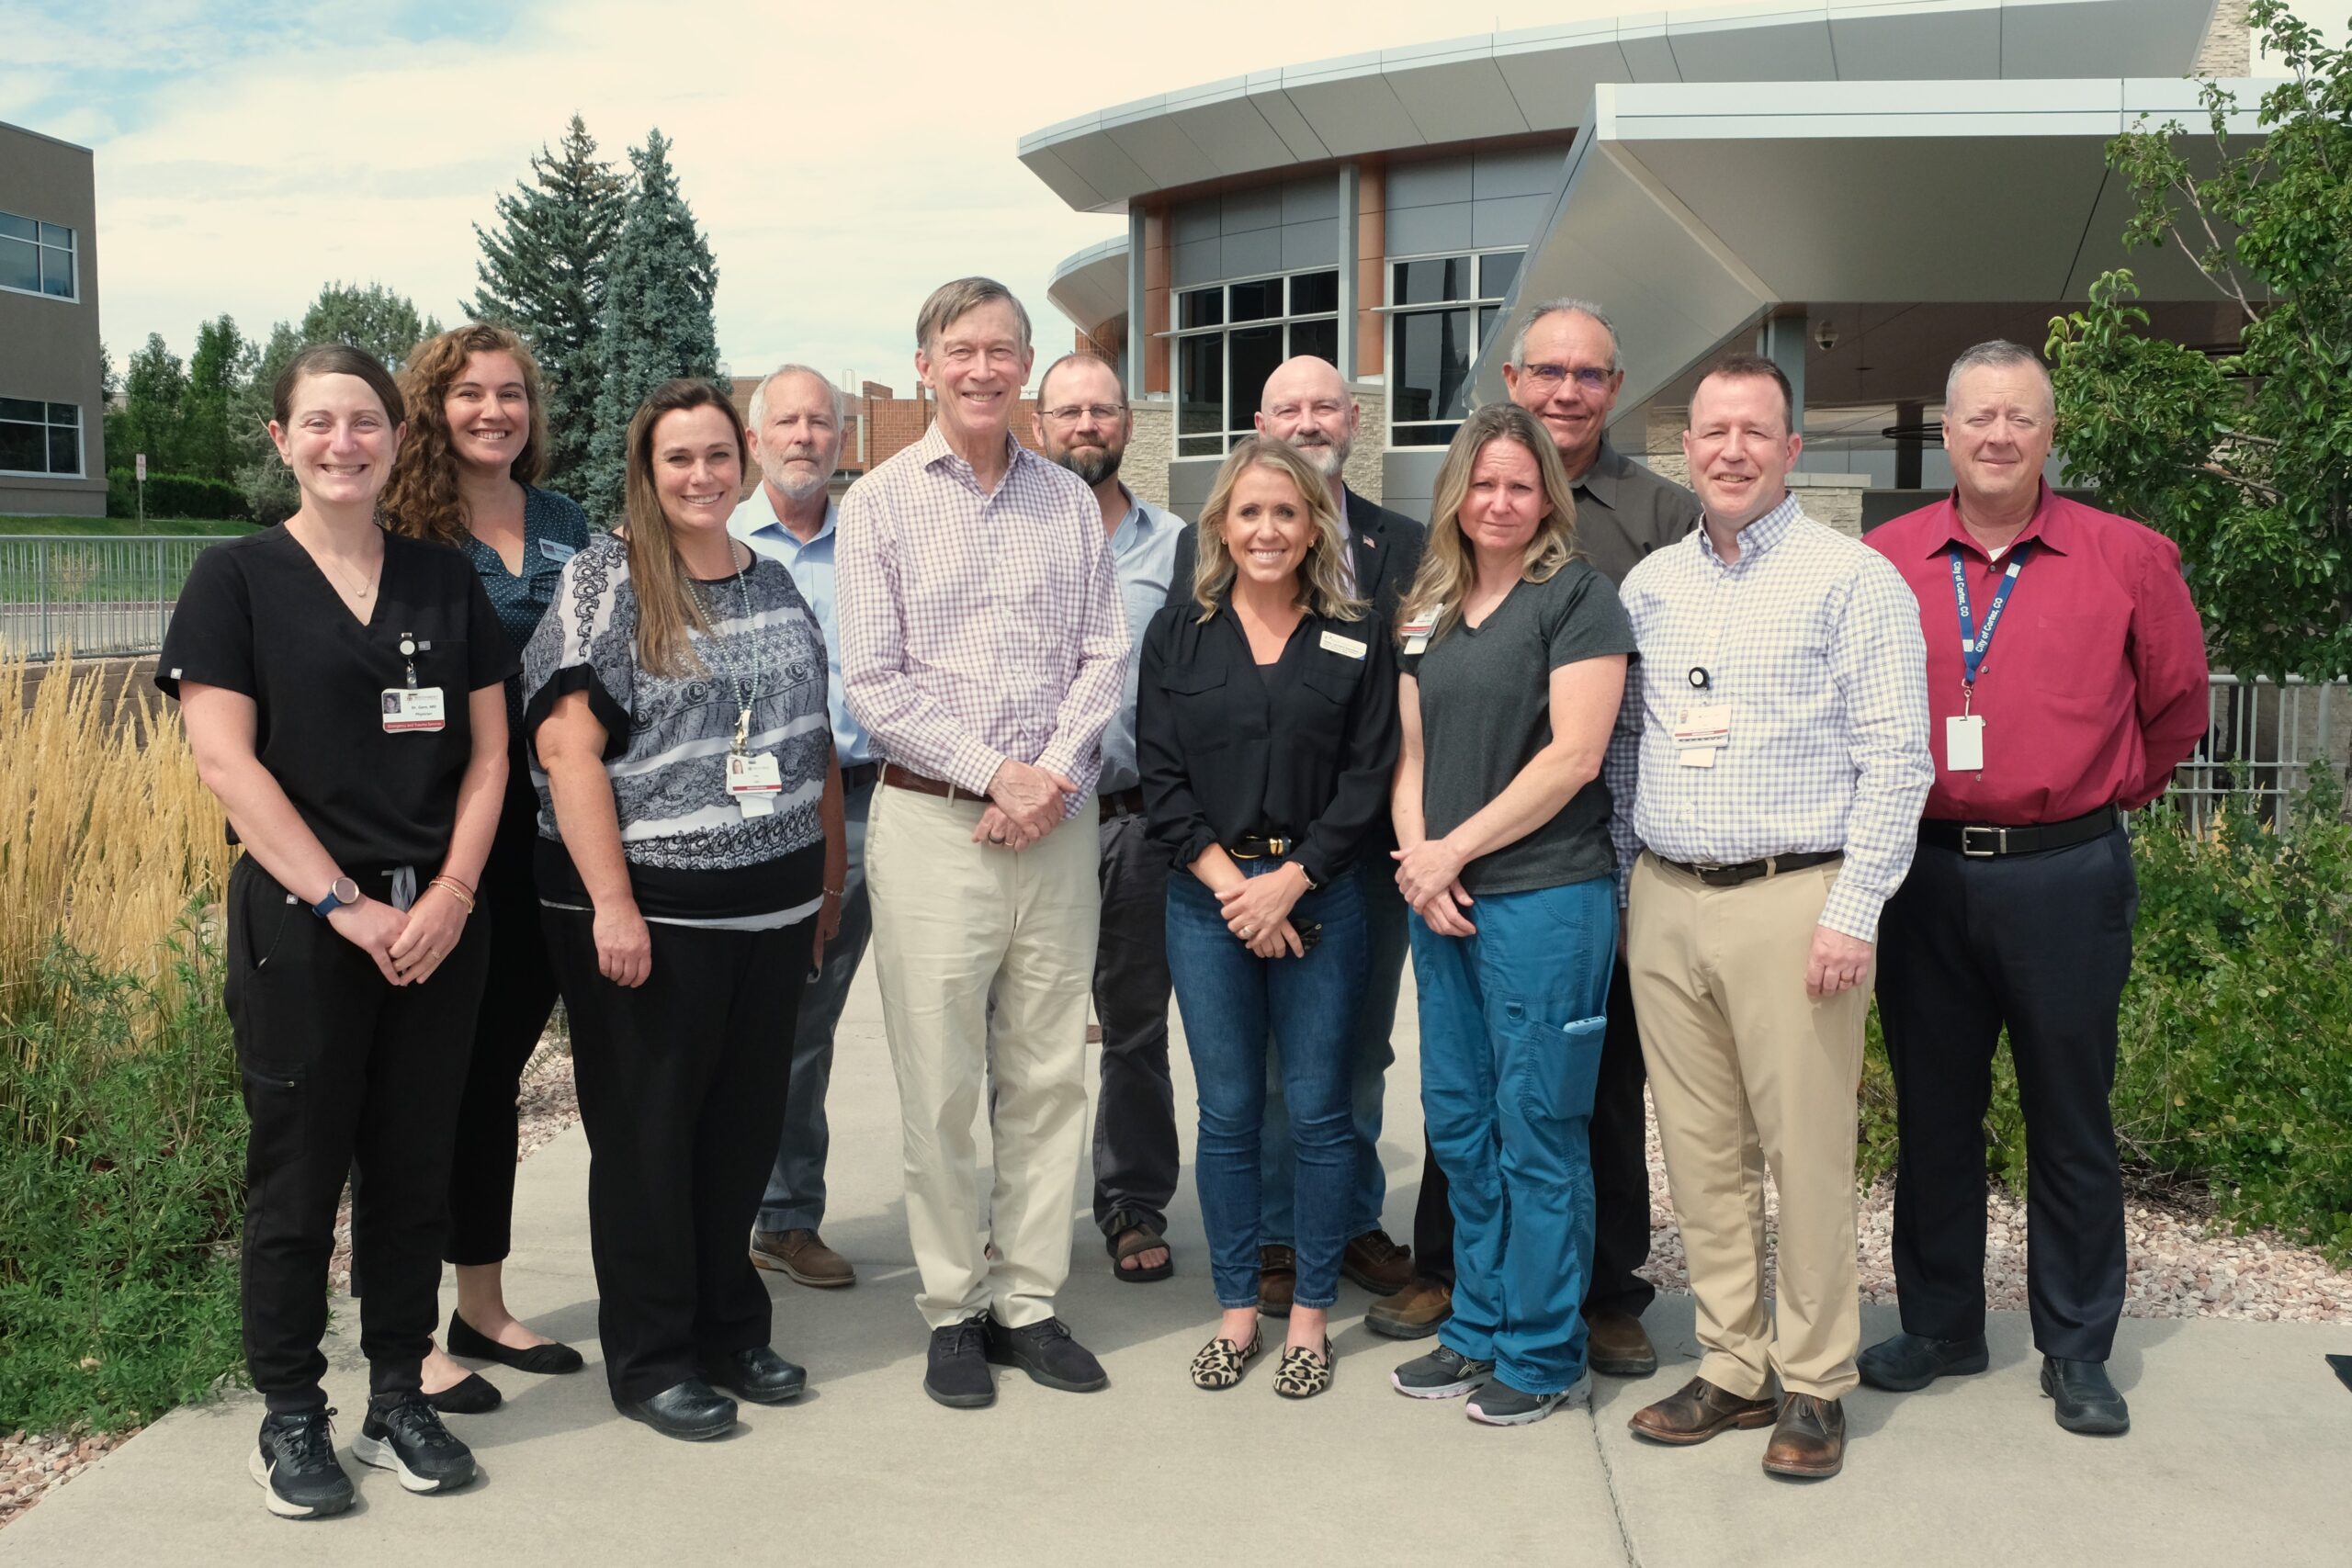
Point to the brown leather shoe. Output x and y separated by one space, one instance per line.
1619 1347
1696 1412
1810 1440
802 1257
1413 1313
1378 1264
1277 1279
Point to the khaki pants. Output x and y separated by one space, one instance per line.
957 926
1746 1070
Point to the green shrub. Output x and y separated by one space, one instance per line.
175 495
122 1143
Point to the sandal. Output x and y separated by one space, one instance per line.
1221 1362
1303 1374
1131 1237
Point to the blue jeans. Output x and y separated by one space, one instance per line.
1511 1025
1371 1055
1231 1002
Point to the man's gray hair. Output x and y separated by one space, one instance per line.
1582 308
760 394
1998 354
951 302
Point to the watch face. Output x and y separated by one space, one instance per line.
346 891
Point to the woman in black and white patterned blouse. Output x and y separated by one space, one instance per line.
675 702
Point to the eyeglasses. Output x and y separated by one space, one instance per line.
1101 413
1548 376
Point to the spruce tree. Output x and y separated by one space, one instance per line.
658 288
542 273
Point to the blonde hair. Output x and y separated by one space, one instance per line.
1449 569
1322 577
667 607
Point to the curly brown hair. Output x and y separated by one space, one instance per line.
421 500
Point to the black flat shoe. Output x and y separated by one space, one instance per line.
2088 1401
758 1374
475 1396
1908 1362
691 1411
465 1339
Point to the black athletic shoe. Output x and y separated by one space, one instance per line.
1908 1362
1444 1374
958 1374
296 1466
1048 1353
406 1438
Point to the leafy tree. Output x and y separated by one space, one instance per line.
543 274
269 485
221 363
2245 458
384 323
154 408
658 288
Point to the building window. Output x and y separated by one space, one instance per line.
37 258
39 438
1229 337
1442 311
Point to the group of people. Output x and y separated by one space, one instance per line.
1652 784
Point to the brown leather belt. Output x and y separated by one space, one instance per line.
1750 870
897 777
1123 802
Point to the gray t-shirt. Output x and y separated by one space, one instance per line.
1486 709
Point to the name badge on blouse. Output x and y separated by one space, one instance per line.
1700 734
408 708
555 550
753 780
1335 643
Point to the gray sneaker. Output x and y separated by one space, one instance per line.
1444 1374
1499 1405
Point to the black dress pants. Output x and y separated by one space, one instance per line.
345 1074
2040 944
682 1086
1135 1159
1621 1175
517 1000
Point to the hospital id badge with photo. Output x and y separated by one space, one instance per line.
753 781
1415 632
1700 734
418 708
1964 743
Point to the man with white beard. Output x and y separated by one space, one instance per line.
1306 404
796 432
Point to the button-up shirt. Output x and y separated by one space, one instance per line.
1625 512
2093 688
1143 552
1813 643
811 565
981 625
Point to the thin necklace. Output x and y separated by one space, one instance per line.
365 590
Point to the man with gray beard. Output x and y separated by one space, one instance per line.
1083 423
795 435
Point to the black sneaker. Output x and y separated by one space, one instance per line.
1047 1352
1499 1405
958 1374
296 1466
1444 1374
407 1438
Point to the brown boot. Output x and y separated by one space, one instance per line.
1810 1442
1377 1263
1697 1411
803 1257
1413 1313
1619 1346
1277 1279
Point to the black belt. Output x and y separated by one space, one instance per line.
1257 846
1123 802
857 775
1983 840
1749 871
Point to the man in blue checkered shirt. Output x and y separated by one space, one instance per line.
1769 768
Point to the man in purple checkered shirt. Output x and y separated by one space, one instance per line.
984 647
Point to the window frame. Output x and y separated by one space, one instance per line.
43 250
1438 432
80 427
1286 321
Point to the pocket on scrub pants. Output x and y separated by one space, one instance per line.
1557 1065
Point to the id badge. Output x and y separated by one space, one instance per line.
1964 743
753 781
1707 728
1416 633
410 709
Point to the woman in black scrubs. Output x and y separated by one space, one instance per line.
467 475
343 695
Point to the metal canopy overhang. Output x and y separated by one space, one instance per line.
1091 285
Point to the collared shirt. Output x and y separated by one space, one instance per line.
2093 688
811 565
1813 643
1142 551
1625 512
554 530
978 626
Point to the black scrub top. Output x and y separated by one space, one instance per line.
258 617
1301 749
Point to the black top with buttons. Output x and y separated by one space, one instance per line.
1301 749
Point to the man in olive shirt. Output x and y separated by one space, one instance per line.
1565 370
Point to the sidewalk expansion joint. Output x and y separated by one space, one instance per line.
1616 1501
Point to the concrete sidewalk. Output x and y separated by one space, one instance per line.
2240 1446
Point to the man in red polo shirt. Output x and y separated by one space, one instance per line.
2065 680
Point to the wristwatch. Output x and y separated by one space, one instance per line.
342 891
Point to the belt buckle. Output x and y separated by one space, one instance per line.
1278 847
1996 840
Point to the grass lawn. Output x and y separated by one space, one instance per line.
102 528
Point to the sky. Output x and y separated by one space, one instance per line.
843 159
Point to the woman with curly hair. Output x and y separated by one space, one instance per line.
467 477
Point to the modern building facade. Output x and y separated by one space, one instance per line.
52 449
1860 189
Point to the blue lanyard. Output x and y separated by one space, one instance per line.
1973 642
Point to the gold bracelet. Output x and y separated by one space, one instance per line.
455 889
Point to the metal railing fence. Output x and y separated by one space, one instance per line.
2261 738
94 595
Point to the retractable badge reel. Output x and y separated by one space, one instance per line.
1704 728
412 708
754 779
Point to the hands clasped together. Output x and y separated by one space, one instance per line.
1026 803
407 946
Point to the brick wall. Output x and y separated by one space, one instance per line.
2227 48
1153 443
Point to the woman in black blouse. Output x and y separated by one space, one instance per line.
1266 730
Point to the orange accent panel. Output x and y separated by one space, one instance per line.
1155 349
1372 267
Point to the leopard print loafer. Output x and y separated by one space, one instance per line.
1221 1362
1302 1373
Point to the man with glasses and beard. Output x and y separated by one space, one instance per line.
1083 423
796 435
1307 404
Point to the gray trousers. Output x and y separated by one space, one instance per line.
1136 1162
796 1194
